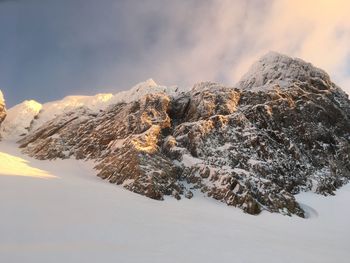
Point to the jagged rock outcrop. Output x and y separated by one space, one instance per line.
124 138
284 129
2 109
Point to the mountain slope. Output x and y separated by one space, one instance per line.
284 129
76 217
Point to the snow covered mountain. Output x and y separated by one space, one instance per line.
281 70
283 129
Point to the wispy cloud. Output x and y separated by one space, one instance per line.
317 31
219 40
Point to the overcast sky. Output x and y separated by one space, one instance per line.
53 48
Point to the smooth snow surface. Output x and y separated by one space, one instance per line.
80 218
15 166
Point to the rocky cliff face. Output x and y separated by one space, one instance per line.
284 129
2 109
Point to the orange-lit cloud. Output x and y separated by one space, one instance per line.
317 31
228 36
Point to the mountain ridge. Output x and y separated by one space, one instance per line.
250 147
35 114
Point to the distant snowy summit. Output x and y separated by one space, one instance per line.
284 128
277 69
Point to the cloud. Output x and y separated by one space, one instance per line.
235 33
317 31
219 40
86 46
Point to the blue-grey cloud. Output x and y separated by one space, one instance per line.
50 48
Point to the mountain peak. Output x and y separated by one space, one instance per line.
148 84
275 68
32 105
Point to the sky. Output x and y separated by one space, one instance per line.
50 49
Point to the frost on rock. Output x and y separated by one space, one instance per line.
249 148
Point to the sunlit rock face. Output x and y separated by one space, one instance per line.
2 109
252 146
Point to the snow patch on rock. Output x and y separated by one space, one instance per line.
19 118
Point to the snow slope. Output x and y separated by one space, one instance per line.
79 218
15 166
